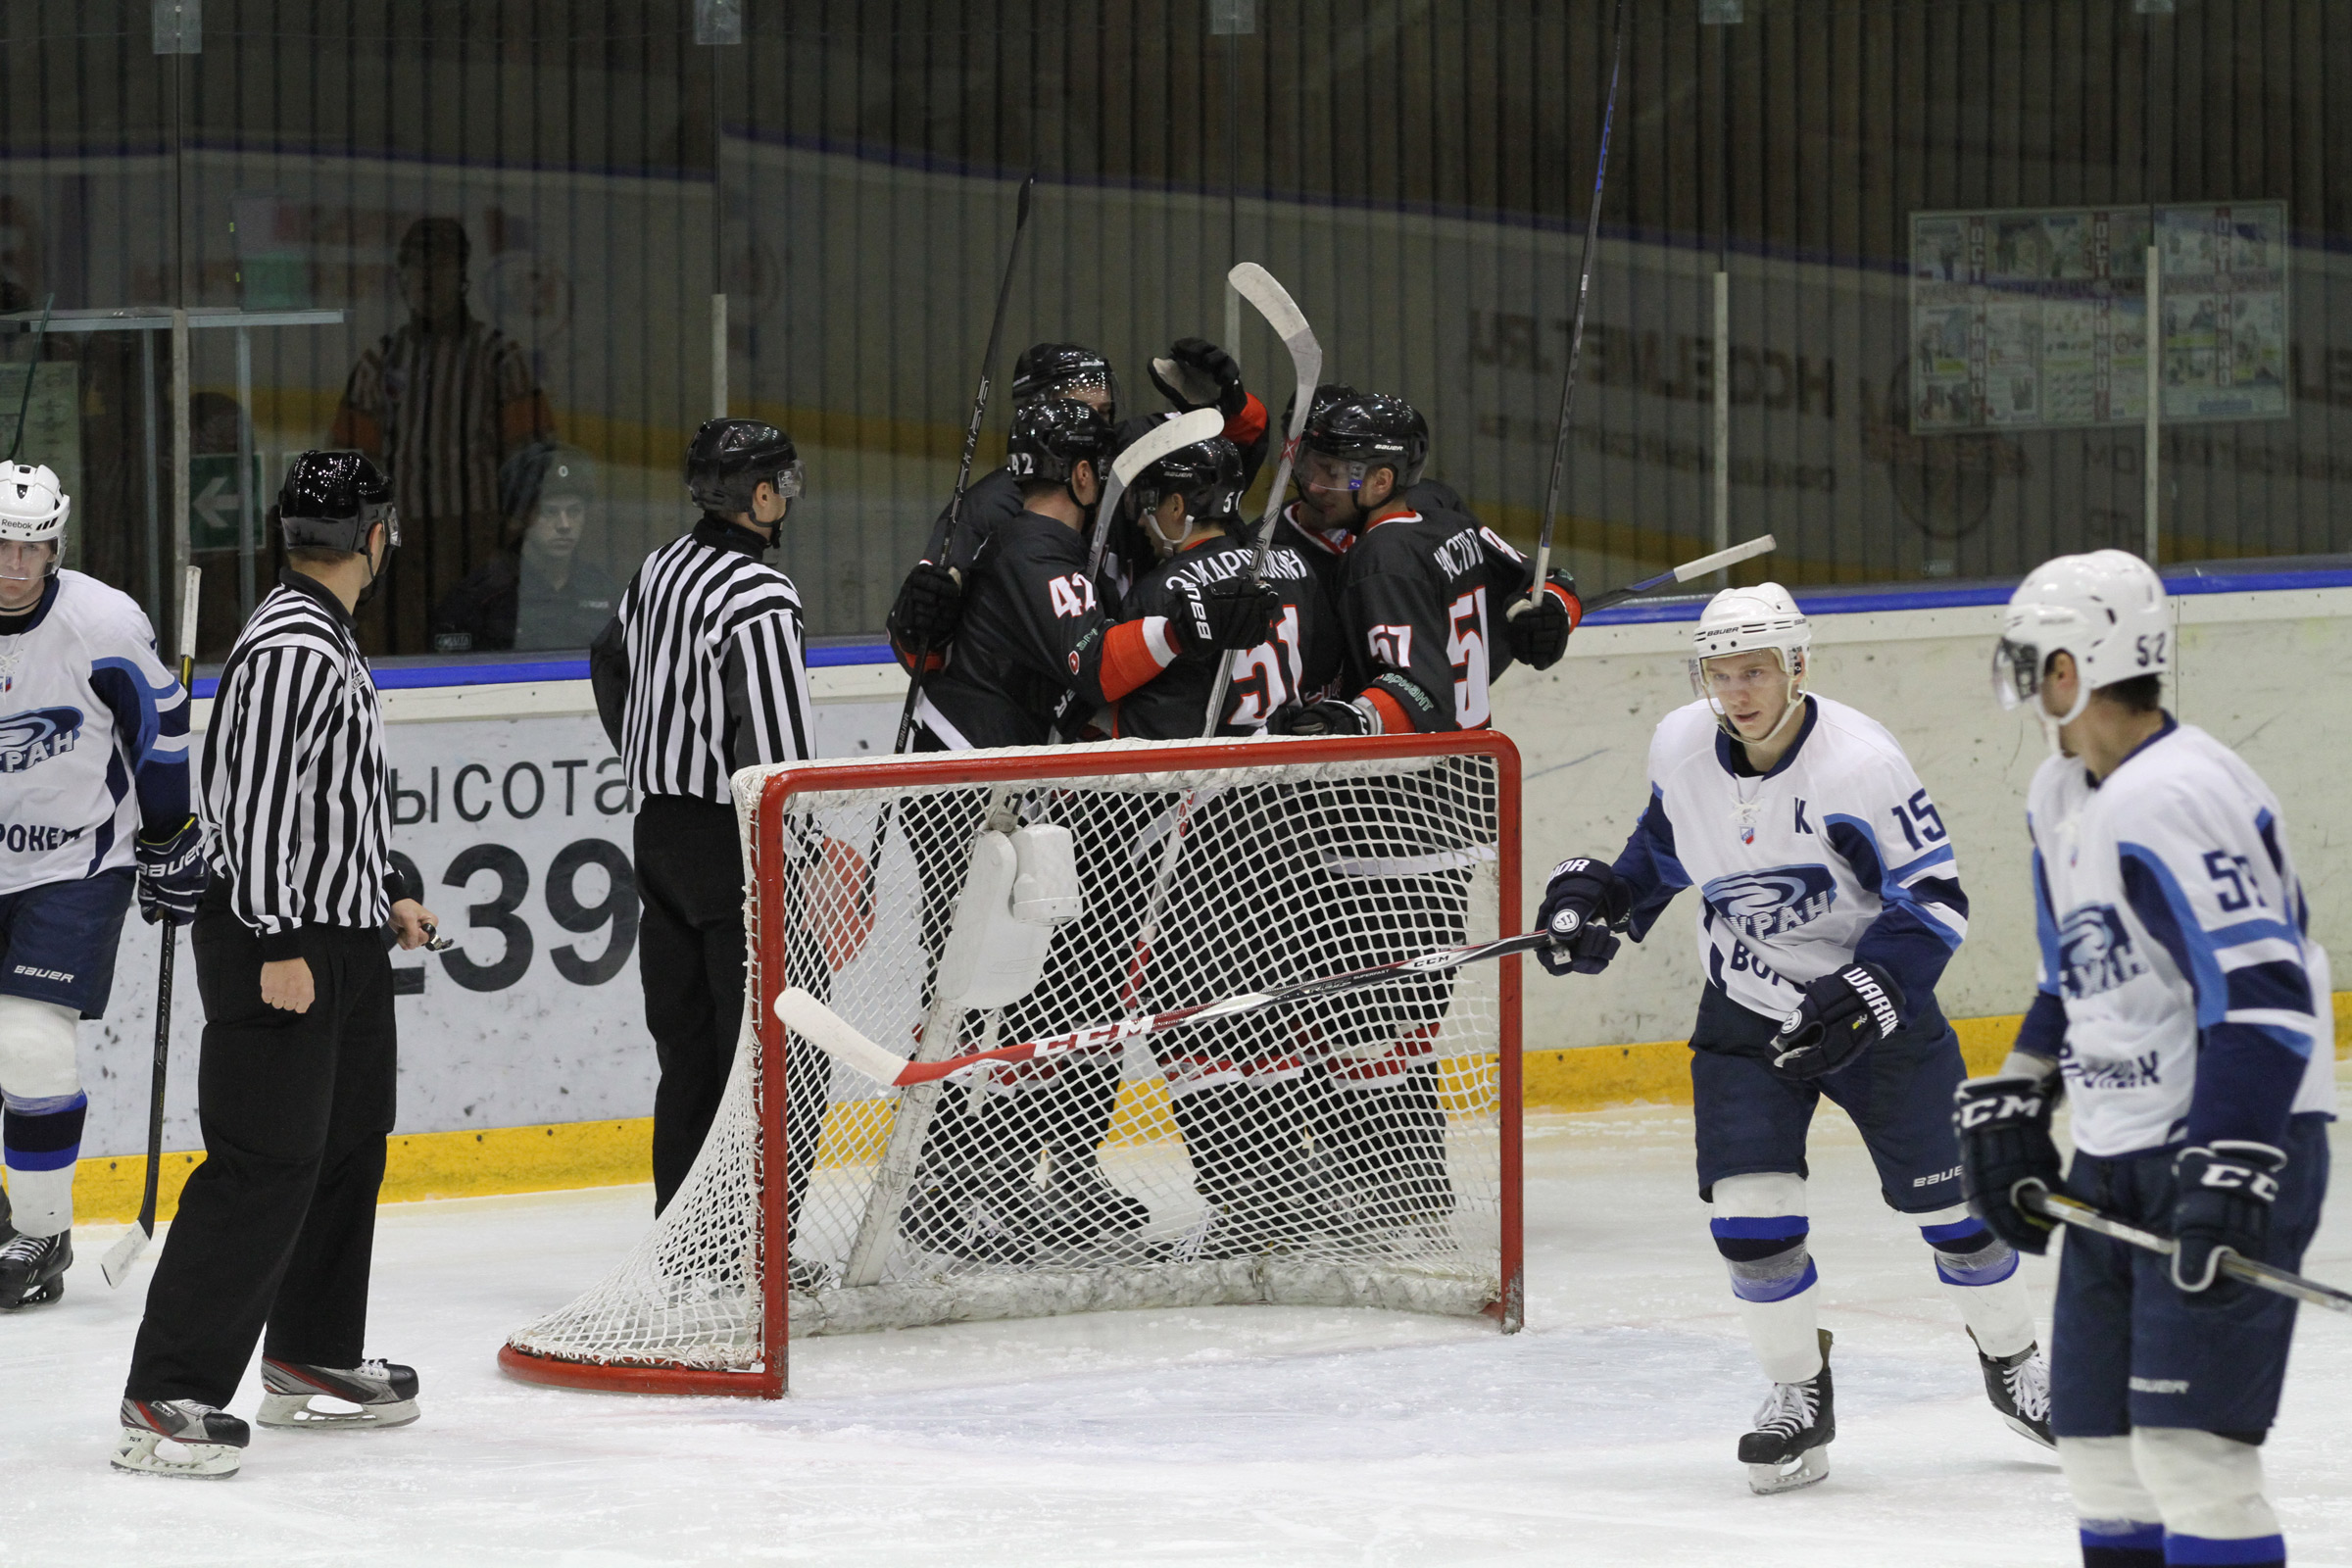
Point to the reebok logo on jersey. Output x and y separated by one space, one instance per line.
37 734
1759 904
2095 951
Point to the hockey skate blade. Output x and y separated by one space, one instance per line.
1807 1468
135 1455
292 1413
2025 1430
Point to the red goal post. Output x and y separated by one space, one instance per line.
1383 1136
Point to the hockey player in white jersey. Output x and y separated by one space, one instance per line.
1830 903
2184 1007
94 755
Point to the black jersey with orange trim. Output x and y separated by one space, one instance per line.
1424 594
1302 656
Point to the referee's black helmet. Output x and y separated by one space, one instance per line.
330 500
729 458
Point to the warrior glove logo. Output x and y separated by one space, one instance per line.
1874 995
34 736
2095 951
1757 904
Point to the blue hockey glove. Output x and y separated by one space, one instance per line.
172 875
2222 1197
1844 1012
2004 1127
1585 905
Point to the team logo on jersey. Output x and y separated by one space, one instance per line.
37 734
8 671
1760 903
2095 951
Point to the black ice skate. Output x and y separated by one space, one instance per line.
33 1269
1789 1447
2019 1387
1080 1205
208 1443
380 1394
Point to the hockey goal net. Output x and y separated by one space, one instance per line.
1357 1149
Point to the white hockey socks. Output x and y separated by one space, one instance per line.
2114 1513
1978 1271
2209 1489
41 1126
1760 1229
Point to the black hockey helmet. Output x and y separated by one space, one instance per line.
1208 474
330 500
1061 370
1327 396
729 458
1371 430
1052 436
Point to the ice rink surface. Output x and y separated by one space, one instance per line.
1234 1435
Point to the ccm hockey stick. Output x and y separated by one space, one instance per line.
2073 1211
1688 570
1257 285
830 1033
124 1252
1576 333
971 443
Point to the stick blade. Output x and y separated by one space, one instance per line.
832 1033
1184 431
1260 288
1746 551
116 1264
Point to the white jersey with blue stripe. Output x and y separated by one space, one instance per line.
1834 853
2181 993
93 735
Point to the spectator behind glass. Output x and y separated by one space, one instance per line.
540 593
440 403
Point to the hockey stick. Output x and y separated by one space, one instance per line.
1684 572
1576 333
115 1265
2073 1211
944 539
1184 431
830 1033
32 369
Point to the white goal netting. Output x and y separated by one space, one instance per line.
1355 1150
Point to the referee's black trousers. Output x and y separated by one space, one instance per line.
276 1228
689 957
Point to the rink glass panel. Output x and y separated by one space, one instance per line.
1358 1150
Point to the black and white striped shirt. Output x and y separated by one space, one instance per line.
716 676
295 811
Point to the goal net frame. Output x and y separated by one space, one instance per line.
764 798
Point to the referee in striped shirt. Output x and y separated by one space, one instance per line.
296 1090
698 675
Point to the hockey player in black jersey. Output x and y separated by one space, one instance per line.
1038 652
1194 373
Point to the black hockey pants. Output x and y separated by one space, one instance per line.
276 1228
690 958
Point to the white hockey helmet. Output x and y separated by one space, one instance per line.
2107 609
32 504
1751 620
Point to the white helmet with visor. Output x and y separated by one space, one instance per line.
2106 609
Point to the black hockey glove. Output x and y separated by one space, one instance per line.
1536 628
1231 614
2222 1197
1334 716
1585 907
1843 1011
929 604
1199 375
2004 1127
172 875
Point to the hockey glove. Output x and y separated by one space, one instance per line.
929 604
2004 1127
1583 907
1334 716
172 875
1231 614
2222 1197
1844 1012
1197 373
1536 628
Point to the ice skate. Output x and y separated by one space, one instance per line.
947 1218
381 1393
1790 1445
33 1269
1080 1205
207 1443
2019 1387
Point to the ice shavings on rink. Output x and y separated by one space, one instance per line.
1213 1435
